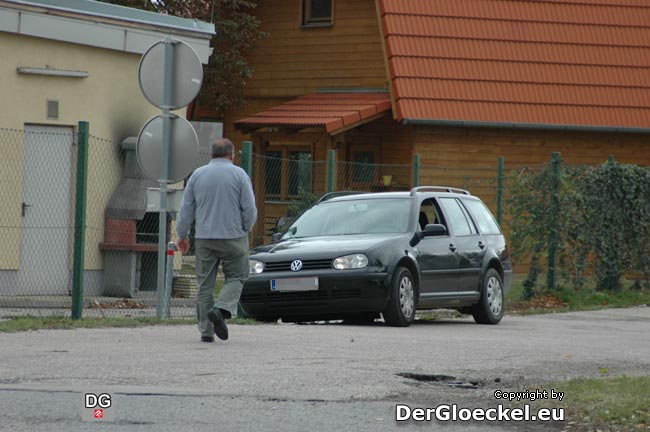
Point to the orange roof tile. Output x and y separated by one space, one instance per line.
551 62
333 111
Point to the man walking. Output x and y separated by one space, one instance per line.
219 198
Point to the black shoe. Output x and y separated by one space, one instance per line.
207 338
220 328
225 314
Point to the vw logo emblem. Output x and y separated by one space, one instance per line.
296 265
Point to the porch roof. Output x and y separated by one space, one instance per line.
334 111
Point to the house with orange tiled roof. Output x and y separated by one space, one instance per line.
458 82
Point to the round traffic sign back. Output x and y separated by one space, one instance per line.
184 149
186 71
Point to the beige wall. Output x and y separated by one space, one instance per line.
109 99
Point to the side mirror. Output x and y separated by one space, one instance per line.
430 230
278 235
434 230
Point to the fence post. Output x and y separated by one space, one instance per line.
80 221
247 165
331 156
416 170
555 209
500 189
247 158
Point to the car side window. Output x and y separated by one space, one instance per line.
472 226
428 214
483 217
459 220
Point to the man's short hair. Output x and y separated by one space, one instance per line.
222 147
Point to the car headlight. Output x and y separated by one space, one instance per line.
355 261
255 267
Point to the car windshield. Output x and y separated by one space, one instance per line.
372 216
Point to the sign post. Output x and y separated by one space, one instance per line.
167 146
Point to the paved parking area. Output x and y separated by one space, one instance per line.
287 377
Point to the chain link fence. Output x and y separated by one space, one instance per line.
284 187
38 174
37 219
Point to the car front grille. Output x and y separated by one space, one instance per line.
301 298
306 265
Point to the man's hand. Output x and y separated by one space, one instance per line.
183 245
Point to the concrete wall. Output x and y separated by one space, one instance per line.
109 99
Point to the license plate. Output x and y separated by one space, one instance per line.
295 284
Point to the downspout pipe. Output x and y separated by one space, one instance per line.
525 126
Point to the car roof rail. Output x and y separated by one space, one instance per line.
438 189
330 195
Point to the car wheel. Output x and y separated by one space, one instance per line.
489 309
400 311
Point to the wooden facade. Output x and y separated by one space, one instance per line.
297 60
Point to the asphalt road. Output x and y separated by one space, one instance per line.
288 377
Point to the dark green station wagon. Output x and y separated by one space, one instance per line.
356 256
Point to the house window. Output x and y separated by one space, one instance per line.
317 12
288 172
300 169
273 170
363 170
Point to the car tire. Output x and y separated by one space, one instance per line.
489 309
400 311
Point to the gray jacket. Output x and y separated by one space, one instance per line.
219 196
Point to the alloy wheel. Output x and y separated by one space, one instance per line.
494 296
406 297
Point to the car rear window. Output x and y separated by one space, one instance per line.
483 217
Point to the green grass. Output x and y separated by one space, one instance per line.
29 323
608 403
586 298
516 292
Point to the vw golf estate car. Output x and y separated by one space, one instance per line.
356 256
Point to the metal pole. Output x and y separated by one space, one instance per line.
164 173
80 221
555 210
500 189
171 247
330 170
416 170
247 158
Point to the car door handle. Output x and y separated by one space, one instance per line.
452 248
481 245
22 210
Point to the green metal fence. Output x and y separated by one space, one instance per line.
78 238
284 187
